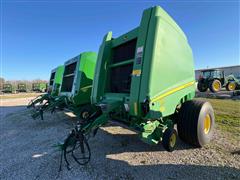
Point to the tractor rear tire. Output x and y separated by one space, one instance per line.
215 85
195 122
169 139
202 87
231 86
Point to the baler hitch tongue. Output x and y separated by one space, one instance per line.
46 103
38 110
35 101
77 145
76 142
39 100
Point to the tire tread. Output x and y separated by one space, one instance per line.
188 121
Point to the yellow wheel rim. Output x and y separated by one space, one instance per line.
231 86
173 139
216 86
207 124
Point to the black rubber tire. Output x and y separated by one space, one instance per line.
202 87
211 86
228 88
190 123
166 139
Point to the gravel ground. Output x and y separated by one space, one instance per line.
8 106
27 152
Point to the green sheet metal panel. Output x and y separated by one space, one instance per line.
84 80
55 80
99 81
83 75
59 74
51 81
162 69
168 70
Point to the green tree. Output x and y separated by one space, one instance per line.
2 81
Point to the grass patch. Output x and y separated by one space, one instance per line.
227 114
19 95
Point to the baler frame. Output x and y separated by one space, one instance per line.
75 95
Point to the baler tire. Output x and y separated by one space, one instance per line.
169 139
202 87
231 86
215 86
196 122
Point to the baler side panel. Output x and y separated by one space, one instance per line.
69 75
52 77
59 75
172 71
99 82
85 74
121 61
55 87
138 63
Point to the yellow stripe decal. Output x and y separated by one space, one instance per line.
135 108
86 87
172 91
136 72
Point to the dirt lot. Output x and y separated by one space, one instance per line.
27 150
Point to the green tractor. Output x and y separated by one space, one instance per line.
137 83
8 88
76 85
232 83
39 87
215 79
22 87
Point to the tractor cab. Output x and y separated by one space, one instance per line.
211 74
22 87
39 87
7 88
